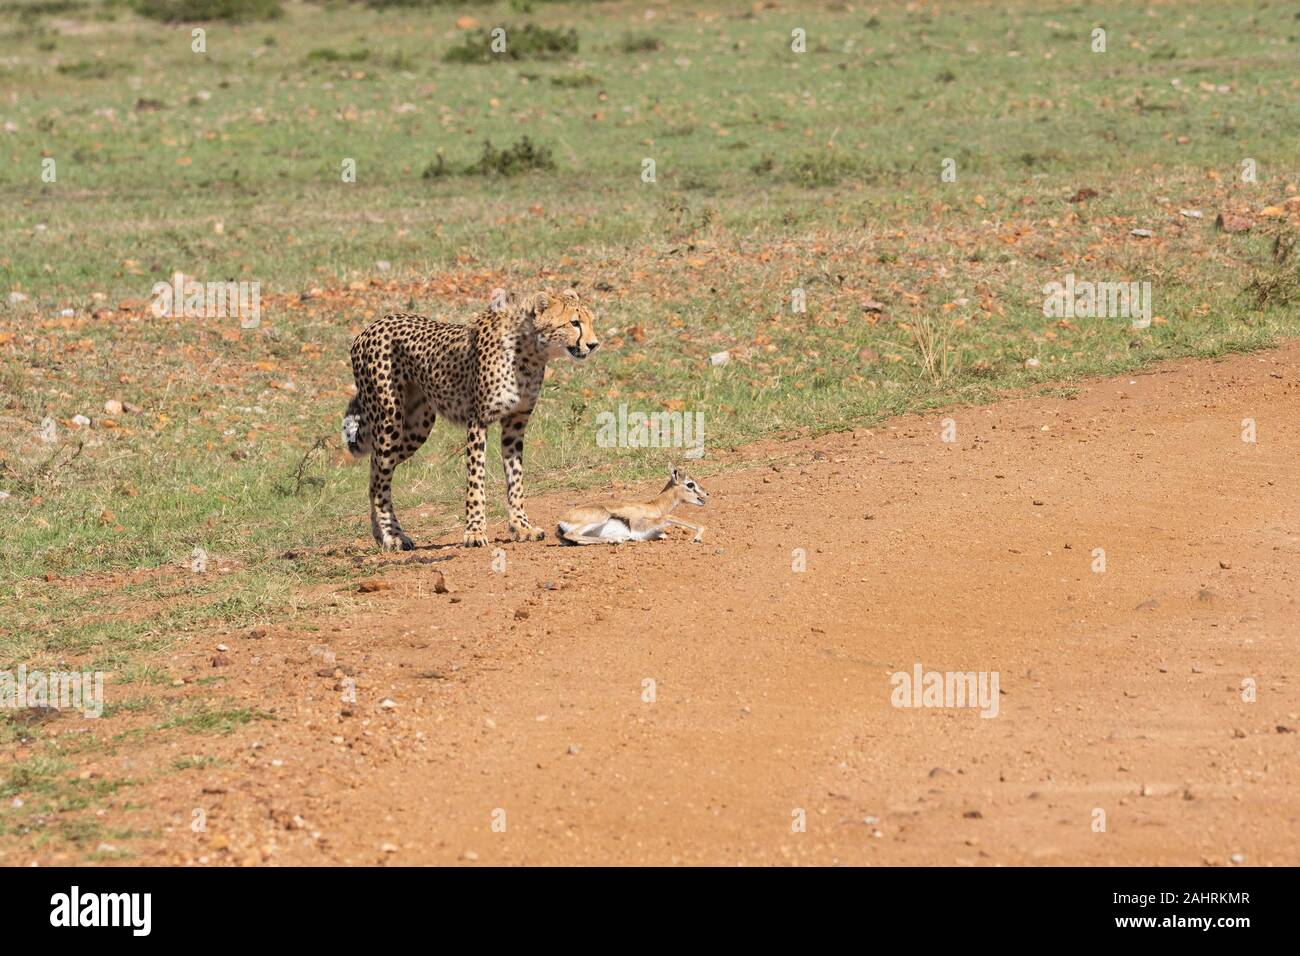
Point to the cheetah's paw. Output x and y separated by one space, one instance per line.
396 541
475 539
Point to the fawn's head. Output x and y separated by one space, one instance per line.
686 488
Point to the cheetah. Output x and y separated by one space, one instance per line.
618 521
410 369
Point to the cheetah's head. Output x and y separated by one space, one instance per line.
564 323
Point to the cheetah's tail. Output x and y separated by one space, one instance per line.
356 433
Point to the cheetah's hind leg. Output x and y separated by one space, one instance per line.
385 454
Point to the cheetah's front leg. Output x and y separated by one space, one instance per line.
475 452
512 455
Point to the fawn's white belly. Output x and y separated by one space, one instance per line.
611 529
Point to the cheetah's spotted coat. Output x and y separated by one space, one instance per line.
410 369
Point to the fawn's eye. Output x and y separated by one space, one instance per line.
690 485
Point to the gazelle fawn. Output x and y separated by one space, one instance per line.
617 521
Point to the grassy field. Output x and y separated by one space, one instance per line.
776 174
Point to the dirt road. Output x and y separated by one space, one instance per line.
521 699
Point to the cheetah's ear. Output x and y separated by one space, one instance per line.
537 303
499 301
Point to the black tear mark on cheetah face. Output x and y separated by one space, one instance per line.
564 324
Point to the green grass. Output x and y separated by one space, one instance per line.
774 172
207 719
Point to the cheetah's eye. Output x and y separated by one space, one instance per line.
576 324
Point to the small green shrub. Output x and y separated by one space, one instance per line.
813 170
330 55
172 11
524 156
89 69
573 81
437 169
640 43
529 42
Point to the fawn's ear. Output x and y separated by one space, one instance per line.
677 479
